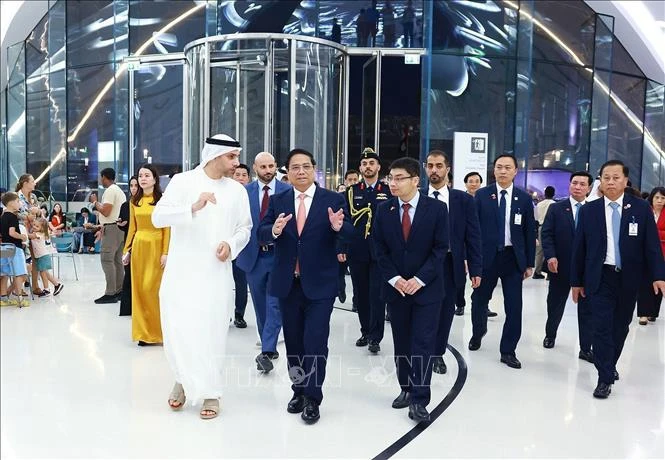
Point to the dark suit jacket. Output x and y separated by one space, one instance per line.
464 232
421 256
315 248
522 236
557 235
637 252
92 219
246 260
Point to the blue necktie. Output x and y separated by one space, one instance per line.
502 220
577 212
436 194
616 231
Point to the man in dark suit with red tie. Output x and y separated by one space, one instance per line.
557 236
304 223
411 241
616 243
508 231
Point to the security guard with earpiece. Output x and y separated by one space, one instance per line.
362 200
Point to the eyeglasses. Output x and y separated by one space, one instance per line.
397 180
298 168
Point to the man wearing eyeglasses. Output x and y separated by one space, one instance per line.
411 242
303 223
362 200
465 244
508 232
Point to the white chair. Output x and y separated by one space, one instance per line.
64 245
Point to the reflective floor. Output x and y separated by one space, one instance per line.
74 385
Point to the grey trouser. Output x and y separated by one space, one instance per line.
111 256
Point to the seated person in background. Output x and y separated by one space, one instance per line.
84 232
57 221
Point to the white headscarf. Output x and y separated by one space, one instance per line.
213 150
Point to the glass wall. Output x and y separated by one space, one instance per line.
547 80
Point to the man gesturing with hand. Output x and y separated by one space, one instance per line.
303 224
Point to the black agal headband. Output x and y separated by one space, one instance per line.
211 140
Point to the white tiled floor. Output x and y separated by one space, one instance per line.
74 385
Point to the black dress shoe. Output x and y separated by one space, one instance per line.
240 323
272 354
615 375
263 363
511 361
310 413
374 346
142 343
342 296
439 366
459 311
548 342
474 343
362 341
491 314
586 355
602 391
652 319
296 405
107 299
402 401
418 413
538 276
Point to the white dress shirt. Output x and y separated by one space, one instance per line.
509 198
610 258
444 194
573 202
412 212
271 192
308 199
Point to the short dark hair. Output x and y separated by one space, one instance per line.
549 192
243 166
653 193
8 197
299 152
471 174
351 171
506 155
583 174
439 153
109 173
85 210
614 163
410 165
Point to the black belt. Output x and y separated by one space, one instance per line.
504 248
112 223
614 268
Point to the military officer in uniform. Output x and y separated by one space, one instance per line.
362 200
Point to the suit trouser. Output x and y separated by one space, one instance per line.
648 303
342 277
306 325
111 258
503 267
414 330
240 281
447 307
266 307
540 257
460 299
366 279
557 295
612 306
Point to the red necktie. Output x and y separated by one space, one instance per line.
406 221
264 201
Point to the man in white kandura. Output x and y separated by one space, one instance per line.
210 221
